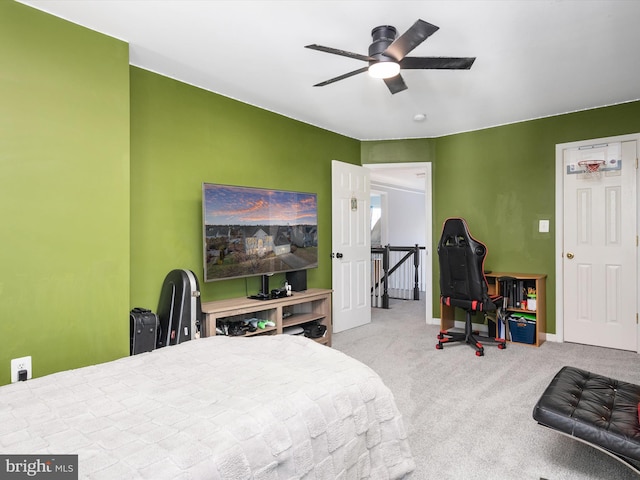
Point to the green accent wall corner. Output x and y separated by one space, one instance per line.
502 181
64 192
182 136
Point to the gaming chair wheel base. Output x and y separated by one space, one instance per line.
452 337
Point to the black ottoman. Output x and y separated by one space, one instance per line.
600 411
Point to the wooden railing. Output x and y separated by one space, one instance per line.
396 273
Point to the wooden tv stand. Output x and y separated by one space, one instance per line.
298 309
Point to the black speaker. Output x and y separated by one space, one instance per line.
297 280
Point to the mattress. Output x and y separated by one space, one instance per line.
263 408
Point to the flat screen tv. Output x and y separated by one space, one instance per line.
257 231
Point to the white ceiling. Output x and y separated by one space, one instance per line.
535 58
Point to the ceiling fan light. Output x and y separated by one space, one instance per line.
384 69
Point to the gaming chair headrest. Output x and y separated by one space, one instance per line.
455 232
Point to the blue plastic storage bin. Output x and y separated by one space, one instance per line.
522 331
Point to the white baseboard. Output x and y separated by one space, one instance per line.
550 337
459 324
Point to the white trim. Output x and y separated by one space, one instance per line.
428 238
552 337
483 328
559 335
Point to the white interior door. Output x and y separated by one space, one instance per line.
600 246
351 245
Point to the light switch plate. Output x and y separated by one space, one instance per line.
543 226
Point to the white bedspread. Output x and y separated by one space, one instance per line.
263 408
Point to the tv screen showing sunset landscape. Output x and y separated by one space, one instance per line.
256 231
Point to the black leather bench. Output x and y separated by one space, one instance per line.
600 411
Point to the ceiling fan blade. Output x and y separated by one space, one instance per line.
437 63
410 39
341 77
395 84
336 51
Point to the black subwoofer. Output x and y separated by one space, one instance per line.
297 280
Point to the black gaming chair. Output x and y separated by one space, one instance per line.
463 284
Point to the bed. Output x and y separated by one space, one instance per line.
264 408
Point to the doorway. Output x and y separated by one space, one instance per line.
596 242
412 176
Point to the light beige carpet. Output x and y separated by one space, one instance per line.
470 417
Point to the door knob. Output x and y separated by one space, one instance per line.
339 255
569 255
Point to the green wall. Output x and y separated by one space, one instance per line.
502 181
101 166
64 192
399 151
182 136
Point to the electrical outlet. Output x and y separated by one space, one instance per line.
18 364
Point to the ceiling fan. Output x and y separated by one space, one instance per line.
387 55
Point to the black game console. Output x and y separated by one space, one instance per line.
260 296
278 293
